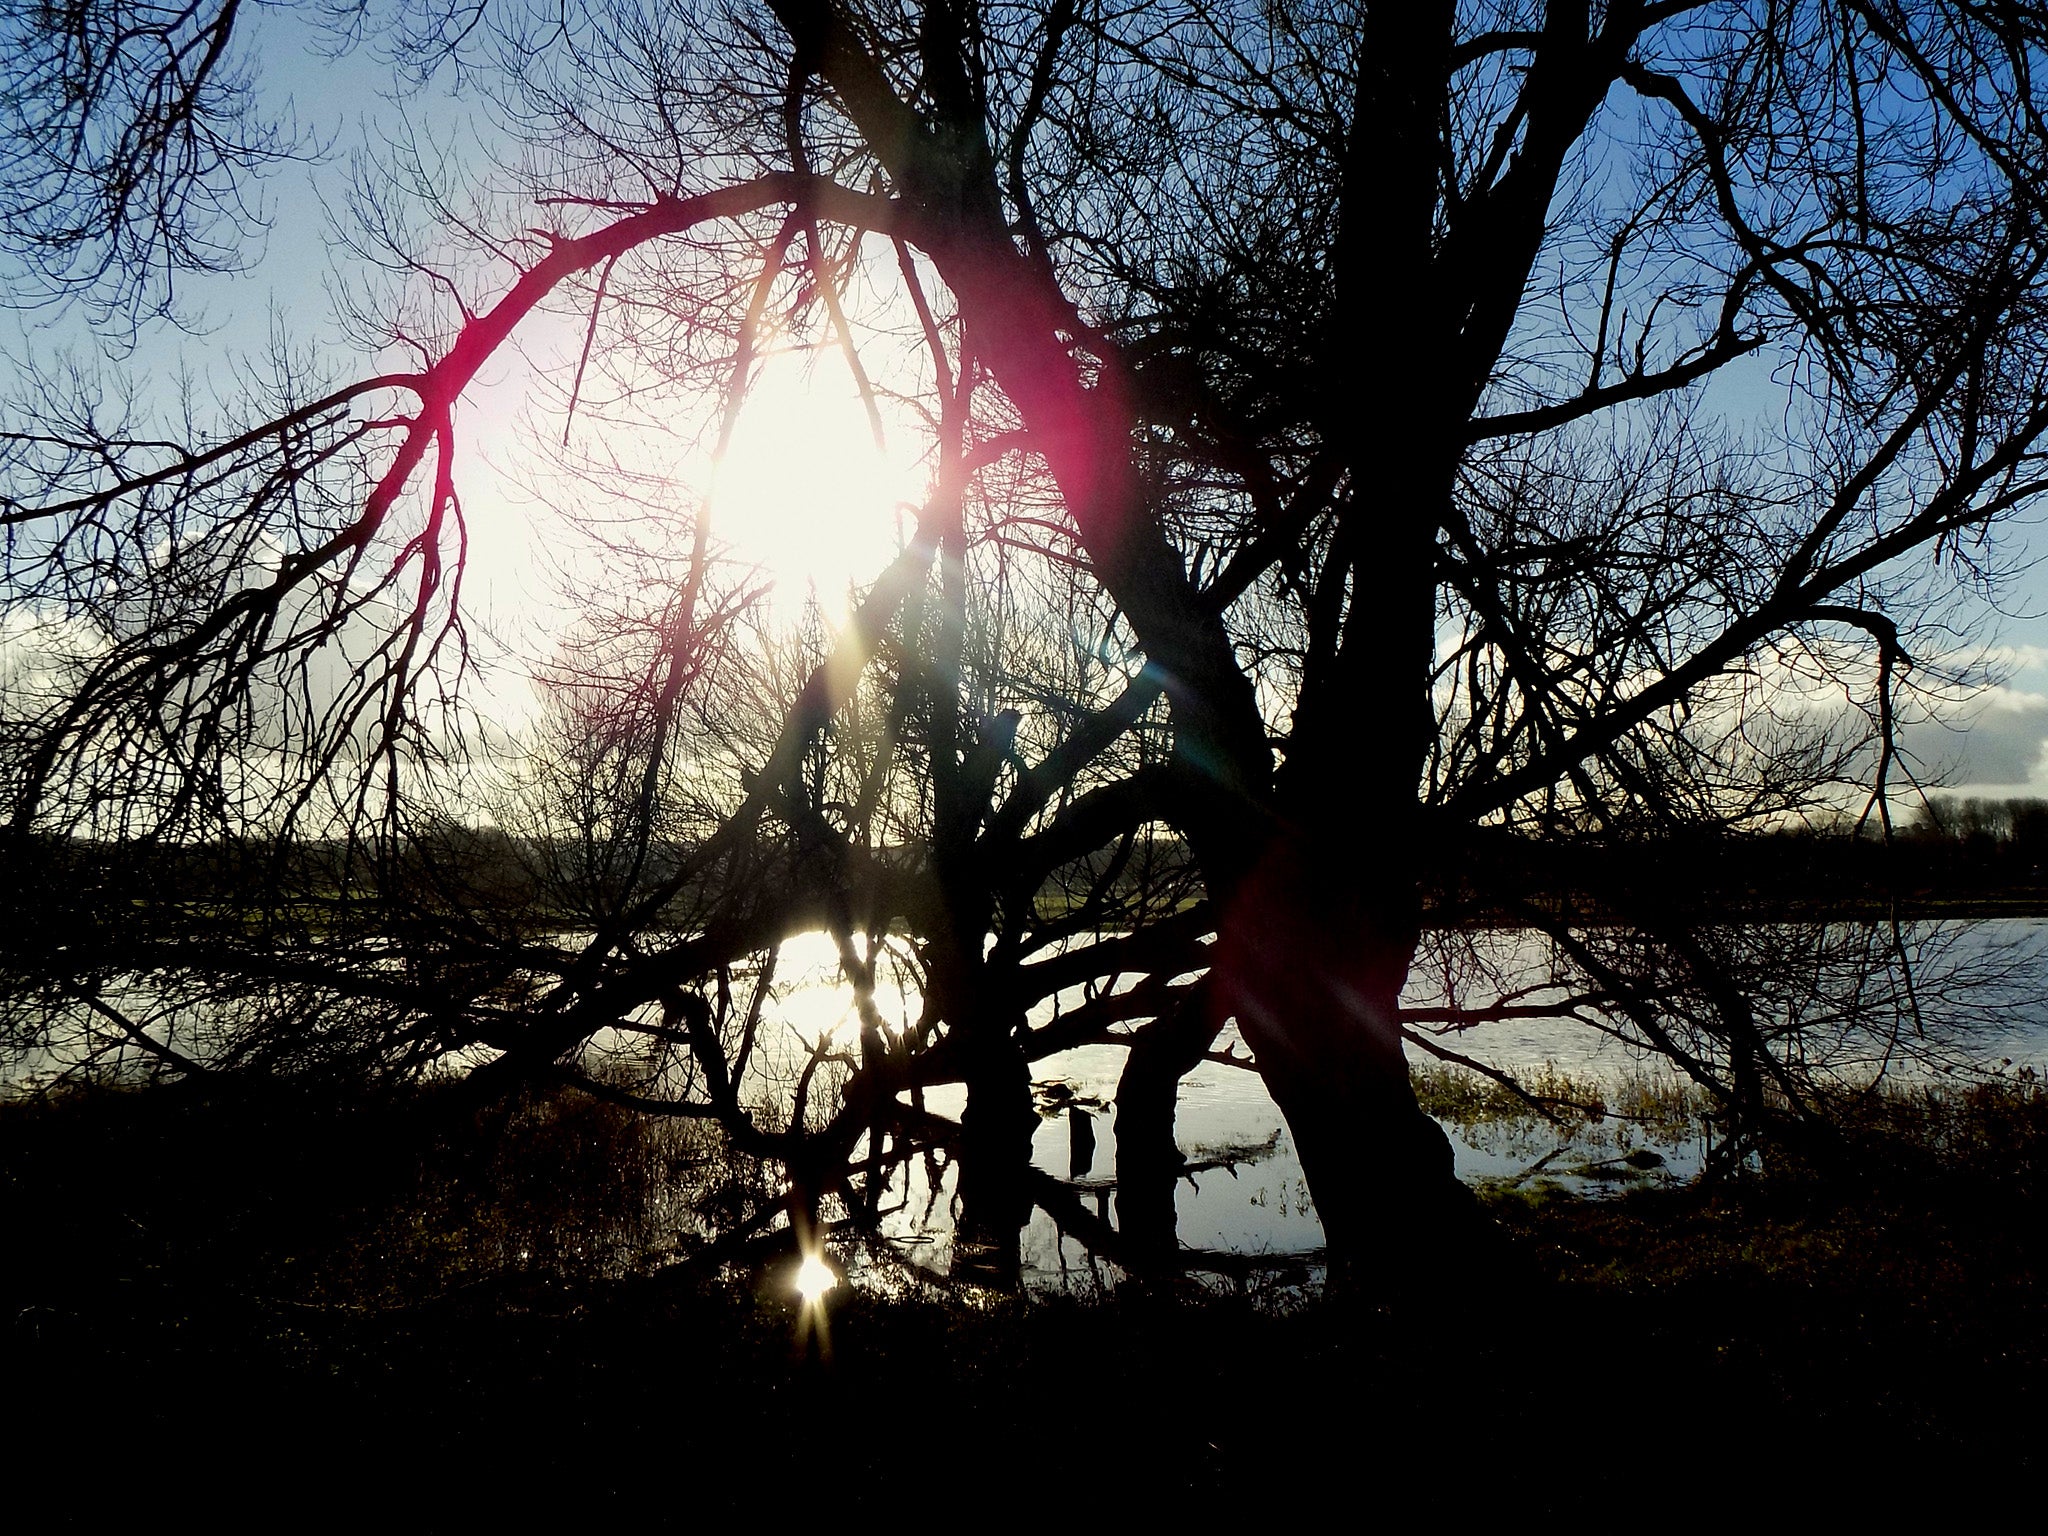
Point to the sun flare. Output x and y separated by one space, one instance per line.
814 1278
804 492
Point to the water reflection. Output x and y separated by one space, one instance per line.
1080 1144
1214 1183
1237 1195
1240 1201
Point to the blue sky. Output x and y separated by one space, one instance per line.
1995 741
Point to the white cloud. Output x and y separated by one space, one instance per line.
1997 739
2016 658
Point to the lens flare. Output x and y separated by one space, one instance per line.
814 1278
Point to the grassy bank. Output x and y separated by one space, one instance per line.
372 1310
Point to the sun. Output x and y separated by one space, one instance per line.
805 494
814 1278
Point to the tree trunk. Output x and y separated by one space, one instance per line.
1148 1159
995 1157
1312 967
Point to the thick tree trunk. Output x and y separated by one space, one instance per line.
1311 966
1148 1158
995 1158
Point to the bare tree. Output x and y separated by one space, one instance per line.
1345 374
132 145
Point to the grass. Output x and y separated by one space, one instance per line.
1571 1134
1659 1106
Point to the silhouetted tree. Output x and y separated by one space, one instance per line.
1369 387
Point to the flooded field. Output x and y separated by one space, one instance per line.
1619 1117
1243 1193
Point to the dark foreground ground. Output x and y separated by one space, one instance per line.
281 1314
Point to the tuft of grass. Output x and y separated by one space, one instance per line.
1661 1106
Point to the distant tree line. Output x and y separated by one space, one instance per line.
2020 825
1950 847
